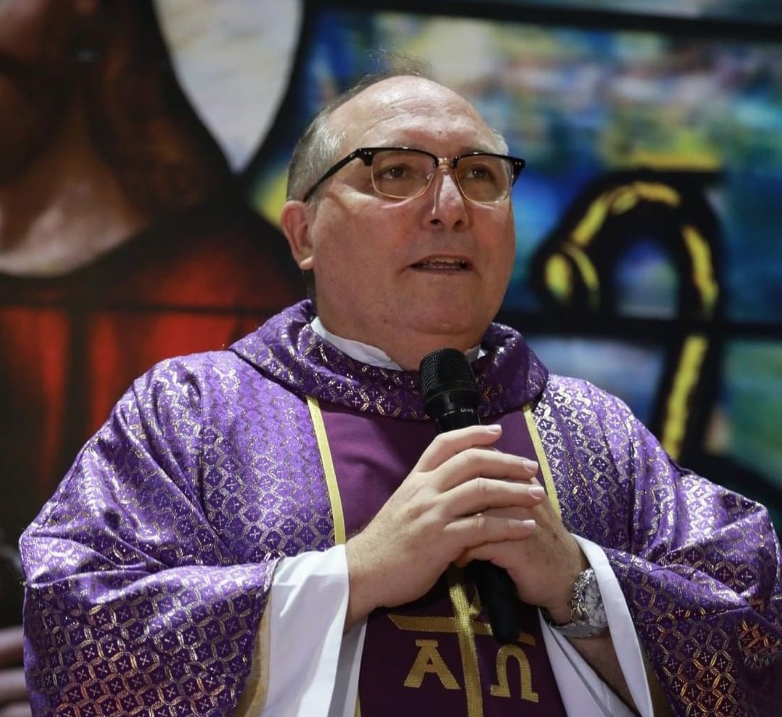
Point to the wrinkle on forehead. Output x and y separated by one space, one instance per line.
406 103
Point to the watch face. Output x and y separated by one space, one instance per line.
587 612
593 603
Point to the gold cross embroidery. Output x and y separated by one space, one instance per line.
466 624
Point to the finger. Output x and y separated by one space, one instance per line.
12 685
496 553
506 554
483 494
447 445
476 530
11 645
474 462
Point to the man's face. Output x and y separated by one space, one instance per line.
36 78
431 270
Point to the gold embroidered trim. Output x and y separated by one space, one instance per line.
537 444
467 648
340 536
450 625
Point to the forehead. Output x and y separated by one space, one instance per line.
414 112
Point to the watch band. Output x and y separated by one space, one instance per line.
587 612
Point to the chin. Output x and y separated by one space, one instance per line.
462 329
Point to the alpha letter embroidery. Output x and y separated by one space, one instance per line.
430 660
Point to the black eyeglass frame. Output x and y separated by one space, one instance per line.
367 155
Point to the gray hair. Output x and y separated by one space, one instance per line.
319 146
314 153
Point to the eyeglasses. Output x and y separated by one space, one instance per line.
404 173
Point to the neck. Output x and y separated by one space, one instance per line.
410 358
408 350
65 209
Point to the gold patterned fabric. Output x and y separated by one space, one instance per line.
699 565
149 570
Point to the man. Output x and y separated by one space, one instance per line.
185 565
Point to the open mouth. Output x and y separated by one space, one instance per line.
440 263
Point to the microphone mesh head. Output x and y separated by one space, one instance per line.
445 367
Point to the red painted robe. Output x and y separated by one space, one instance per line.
71 345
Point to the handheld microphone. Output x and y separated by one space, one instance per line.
451 398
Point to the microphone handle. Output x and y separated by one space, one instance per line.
495 588
498 594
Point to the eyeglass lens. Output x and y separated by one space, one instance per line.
406 173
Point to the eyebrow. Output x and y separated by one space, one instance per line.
464 149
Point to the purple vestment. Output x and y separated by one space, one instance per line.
148 571
436 655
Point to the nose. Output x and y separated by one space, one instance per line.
449 207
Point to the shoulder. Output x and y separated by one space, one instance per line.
581 409
578 394
206 370
207 382
590 416
186 406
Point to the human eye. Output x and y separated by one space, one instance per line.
478 170
400 170
399 173
398 166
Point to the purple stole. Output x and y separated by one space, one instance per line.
437 655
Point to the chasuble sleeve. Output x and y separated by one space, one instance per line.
146 584
699 565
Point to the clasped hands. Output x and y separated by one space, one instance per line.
460 503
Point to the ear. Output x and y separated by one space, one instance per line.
295 225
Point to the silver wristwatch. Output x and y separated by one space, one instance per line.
587 613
